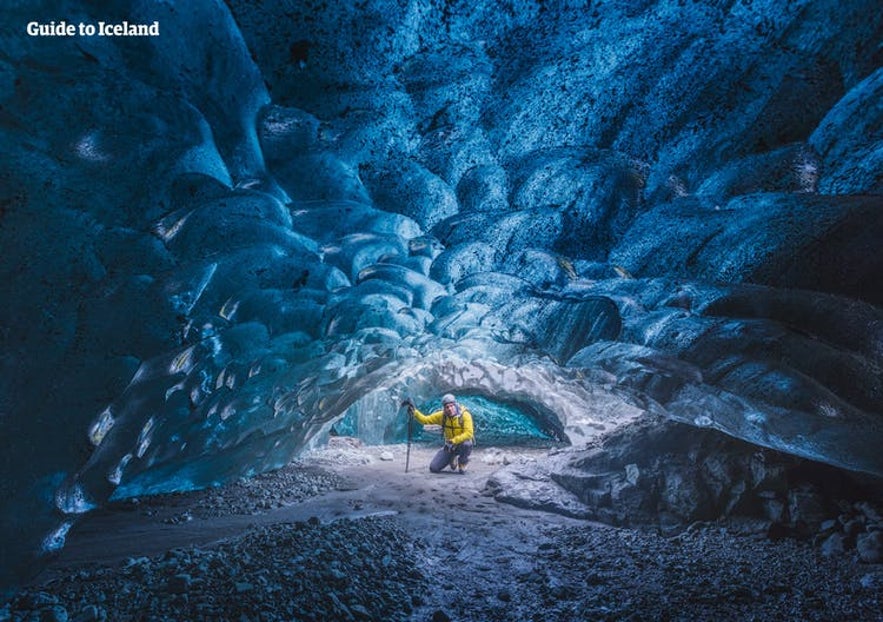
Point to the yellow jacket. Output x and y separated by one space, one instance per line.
456 429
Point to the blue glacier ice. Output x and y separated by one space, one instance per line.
274 218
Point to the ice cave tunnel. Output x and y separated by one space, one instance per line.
273 218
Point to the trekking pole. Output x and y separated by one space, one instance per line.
408 451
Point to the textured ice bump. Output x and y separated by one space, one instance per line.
849 139
789 240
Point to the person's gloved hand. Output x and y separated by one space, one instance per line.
449 446
409 403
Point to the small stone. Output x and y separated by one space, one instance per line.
90 613
834 545
869 511
870 546
807 506
853 527
361 612
38 600
179 584
387 456
55 613
136 561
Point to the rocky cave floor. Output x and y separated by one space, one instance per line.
345 534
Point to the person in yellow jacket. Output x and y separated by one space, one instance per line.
459 436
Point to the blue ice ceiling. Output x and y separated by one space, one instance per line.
219 241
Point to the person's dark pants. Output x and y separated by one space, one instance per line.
444 457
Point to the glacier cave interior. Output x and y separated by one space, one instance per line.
272 221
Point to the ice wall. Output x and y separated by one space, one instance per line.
218 241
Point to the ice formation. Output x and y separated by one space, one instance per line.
219 241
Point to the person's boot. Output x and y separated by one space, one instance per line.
461 469
454 464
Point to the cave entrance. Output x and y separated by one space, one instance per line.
497 424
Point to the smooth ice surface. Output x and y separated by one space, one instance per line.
220 241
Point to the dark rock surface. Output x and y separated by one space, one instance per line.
386 545
669 476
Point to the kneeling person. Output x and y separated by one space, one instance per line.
456 423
